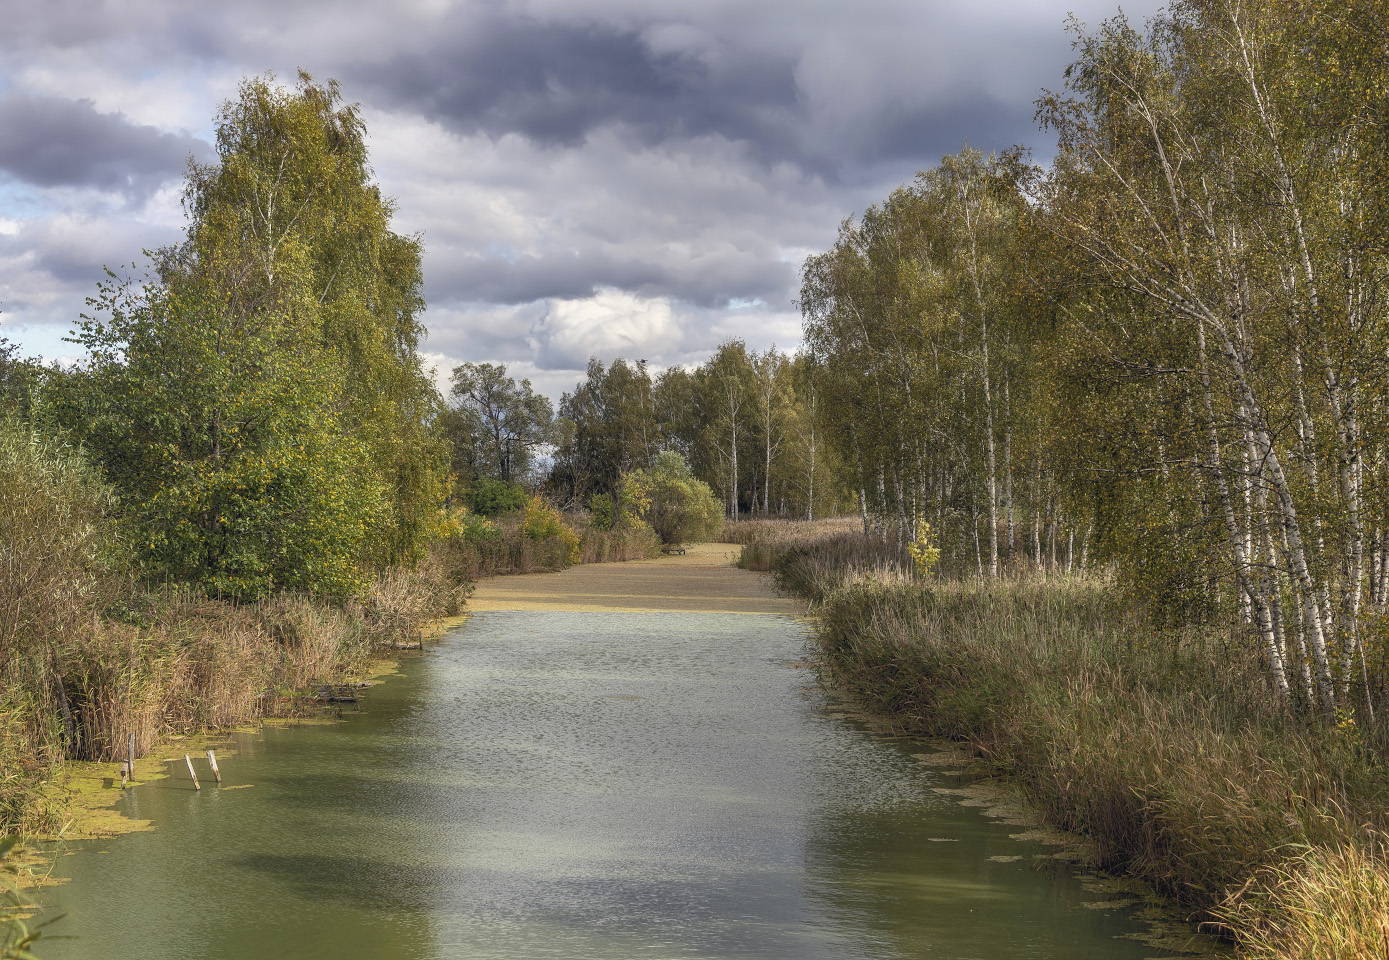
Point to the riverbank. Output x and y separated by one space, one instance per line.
166 665
1193 779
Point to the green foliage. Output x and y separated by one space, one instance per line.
19 380
610 429
258 400
290 202
474 528
492 498
603 513
501 421
59 546
219 425
543 522
923 551
680 508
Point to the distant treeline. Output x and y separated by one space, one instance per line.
747 423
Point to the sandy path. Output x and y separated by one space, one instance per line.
703 580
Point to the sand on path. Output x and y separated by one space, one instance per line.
703 580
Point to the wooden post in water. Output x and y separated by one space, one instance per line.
189 760
130 756
212 762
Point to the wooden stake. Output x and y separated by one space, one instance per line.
130 756
125 773
189 760
212 762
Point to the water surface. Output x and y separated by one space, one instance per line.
595 785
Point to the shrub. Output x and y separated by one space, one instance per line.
57 538
679 507
492 498
602 512
543 522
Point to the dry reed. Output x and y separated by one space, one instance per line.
1167 749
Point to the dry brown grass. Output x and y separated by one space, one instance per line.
1168 749
618 544
779 532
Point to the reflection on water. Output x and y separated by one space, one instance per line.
574 786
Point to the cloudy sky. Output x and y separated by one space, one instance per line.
636 178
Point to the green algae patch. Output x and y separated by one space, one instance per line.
91 790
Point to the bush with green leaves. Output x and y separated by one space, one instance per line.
679 507
492 498
602 512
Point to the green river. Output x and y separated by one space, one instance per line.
579 785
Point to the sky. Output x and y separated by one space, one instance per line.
636 178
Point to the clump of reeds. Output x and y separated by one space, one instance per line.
781 531
1326 904
634 541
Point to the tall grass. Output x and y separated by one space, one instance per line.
633 542
89 656
778 531
1168 750
1326 903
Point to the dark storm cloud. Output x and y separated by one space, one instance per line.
921 133
556 82
54 142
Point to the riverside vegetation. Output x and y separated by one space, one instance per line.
245 489
1114 433
1268 826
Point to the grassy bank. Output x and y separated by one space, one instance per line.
158 662
1168 750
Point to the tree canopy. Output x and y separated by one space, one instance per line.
257 398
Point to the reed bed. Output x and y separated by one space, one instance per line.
1167 749
619 544
77 679
780 532
175 662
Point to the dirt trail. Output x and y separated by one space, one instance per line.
704 580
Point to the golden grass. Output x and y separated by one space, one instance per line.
1327 904
784 533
